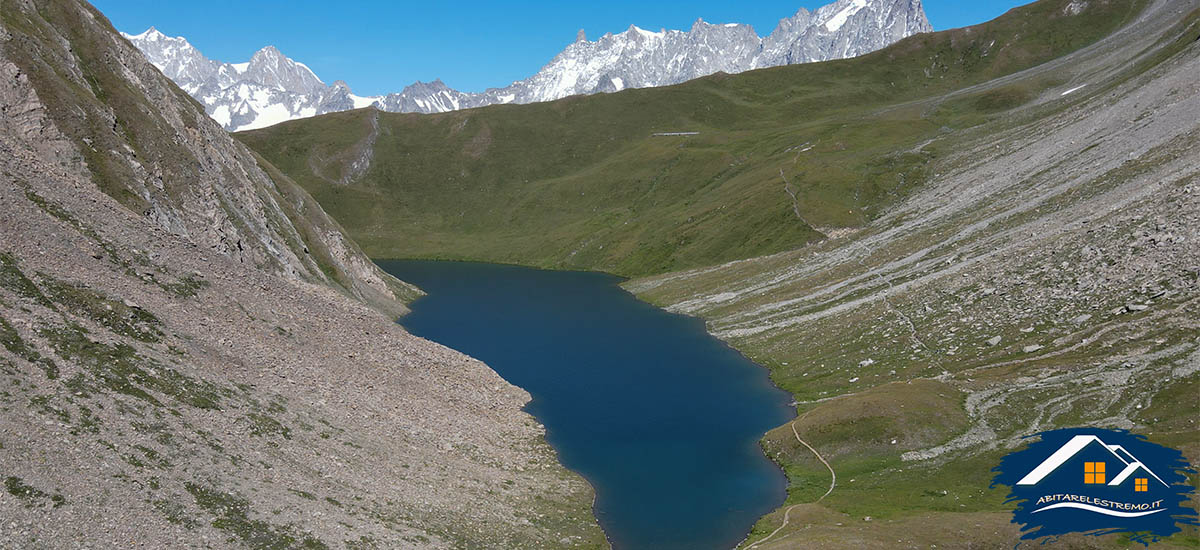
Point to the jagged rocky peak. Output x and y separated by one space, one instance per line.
151 34
637 34
267 89
427 97
846 28
789 25
176 58
270 67
272 88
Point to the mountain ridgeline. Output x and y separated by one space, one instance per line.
781 157
271 88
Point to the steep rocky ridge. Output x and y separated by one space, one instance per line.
141 140
188 357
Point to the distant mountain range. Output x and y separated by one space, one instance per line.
272 88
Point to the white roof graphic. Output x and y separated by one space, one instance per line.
1076 444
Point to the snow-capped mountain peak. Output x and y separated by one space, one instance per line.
268 89
271 87
151 34
271 68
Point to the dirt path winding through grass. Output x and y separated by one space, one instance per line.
787 513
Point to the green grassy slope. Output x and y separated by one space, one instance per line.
885 335
583 183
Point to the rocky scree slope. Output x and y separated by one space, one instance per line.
186 352
1046 276
271 88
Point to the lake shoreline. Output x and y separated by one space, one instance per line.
750 447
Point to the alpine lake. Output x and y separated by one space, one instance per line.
659 416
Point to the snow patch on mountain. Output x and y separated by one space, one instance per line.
842 16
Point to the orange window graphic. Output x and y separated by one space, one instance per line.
1141 485
1093 473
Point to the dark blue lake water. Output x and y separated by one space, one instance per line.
659 416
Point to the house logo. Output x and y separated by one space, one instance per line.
1097 482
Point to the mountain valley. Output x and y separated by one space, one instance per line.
989 235
937 243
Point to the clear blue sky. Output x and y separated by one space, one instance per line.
381 46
